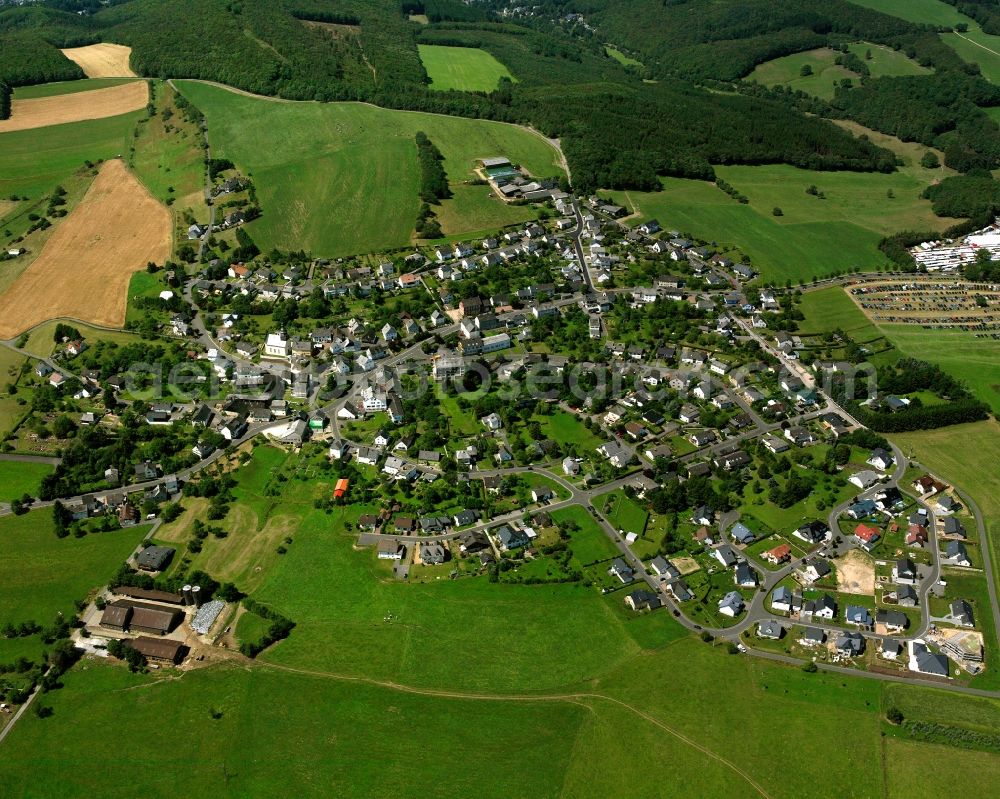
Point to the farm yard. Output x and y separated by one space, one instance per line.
467 69
84 269
59 109
353 162
102 60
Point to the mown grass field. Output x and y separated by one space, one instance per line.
18 479
357 164
974 46
465 69
976 361
813 237
41 575
620 57
34 162
927 12
787 70
348 726
66 87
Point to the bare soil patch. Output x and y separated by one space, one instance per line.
102 60
855 573
84 269
39 112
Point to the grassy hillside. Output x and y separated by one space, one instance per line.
467 69
341 178
787 70
813 237
33 162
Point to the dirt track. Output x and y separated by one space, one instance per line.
40 112
102 60
83 271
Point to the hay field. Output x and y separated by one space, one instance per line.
39 112
102 60
84 269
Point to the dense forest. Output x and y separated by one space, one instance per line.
618 130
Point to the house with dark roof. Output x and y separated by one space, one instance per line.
643 600
850 644
621 570
924 661
154 558
770 629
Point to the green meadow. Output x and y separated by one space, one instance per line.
976 361
33 162
973 46
813 237
342 178
926 12
620 57
42 575
465 69
18 479
787 70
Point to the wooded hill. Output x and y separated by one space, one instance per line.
618 130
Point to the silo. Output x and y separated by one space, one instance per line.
196 594
186 593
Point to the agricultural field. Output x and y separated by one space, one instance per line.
64 87
787 71
464 69
813 237
17 479
973 46
113 232
825 72
102 60
477 209
961 354
348 722
59 109
42 575
620 57
33 162
926 12
353 162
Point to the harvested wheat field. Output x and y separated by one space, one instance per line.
39 112
102 60
83 270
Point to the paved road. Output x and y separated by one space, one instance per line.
46 459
